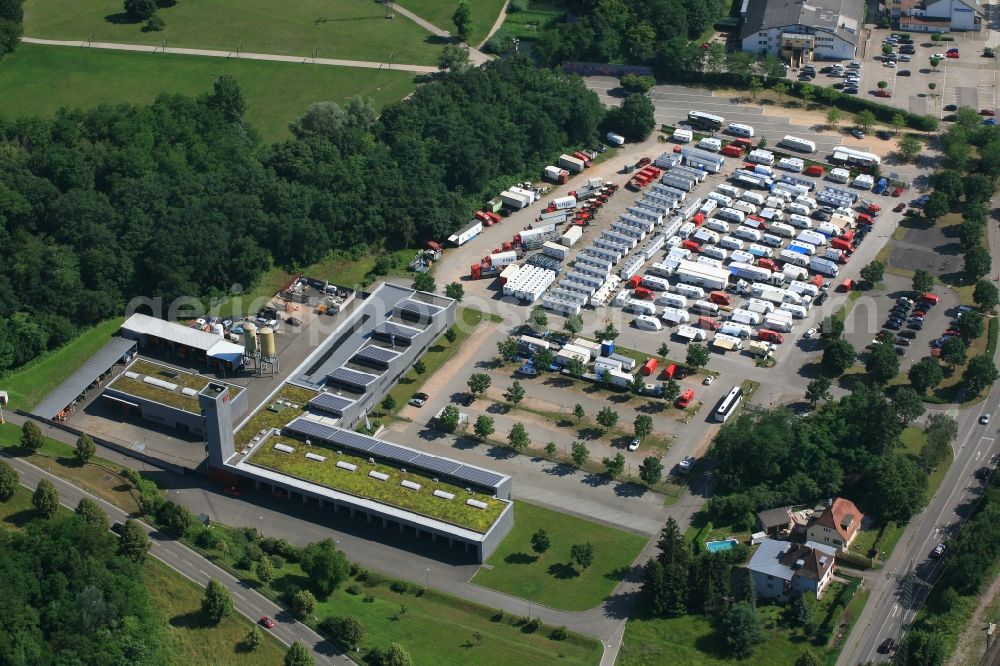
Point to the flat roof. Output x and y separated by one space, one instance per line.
354 377
375 354
331 402
56 401
167 330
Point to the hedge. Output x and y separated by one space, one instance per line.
991 342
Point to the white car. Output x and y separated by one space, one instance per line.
708 380
890 64
685 465
811 333
939 56
985 418
634 444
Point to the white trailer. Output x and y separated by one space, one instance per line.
672 301
778 323
571 163
795 272
701 275
736 329
555 250
689 290
824 267
674 316
648 323
759 306
515 200
727 342
572 235
811 237
655 283
691 334
798 311
466 233
742 316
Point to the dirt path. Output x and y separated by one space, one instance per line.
475 55
972 640
496 26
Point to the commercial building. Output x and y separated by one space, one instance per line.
937 15
59 404
801 31
183 342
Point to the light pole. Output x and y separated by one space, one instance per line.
427 577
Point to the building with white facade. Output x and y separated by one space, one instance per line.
801 31
937 15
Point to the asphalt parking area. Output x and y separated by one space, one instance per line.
925 247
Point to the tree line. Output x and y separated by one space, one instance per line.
11 25
181 198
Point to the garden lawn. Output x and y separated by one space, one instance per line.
349 29
41 79
189 639
28 386
913 439
439 12
528 25
552 579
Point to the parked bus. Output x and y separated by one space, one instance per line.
795 143
729 405
705 121
849 156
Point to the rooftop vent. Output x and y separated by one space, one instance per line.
799 564
822 561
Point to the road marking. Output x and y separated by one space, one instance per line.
204 572
895 610
237 594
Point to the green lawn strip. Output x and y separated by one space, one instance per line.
359 483
913 439
484 13
42 79
527 25
439 354
351 29
30 384
436 628
189 639
991 337
273 414
174 398
851 615
552 579
17 511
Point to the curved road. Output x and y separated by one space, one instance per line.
193 566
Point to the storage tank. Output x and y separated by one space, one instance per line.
267 347
217 329
249 339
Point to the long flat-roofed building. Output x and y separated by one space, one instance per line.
801 31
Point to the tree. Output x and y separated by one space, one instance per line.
953 351
507 348
325 566
424 282
637 385
395 655
934 63
91 512
897 122
651 470
576 368
298 655
873 272
663 350
462 18
909 148
573 324
253 639
940 431
478 383
643 426
454 290
977 262
514 394
140 10
484 427
922 281
420 367
579 453
755 88
882 85
883 364
800 611
925 374
908 404
925 648
45 499
832 327
697 356
540 542
608 334
637 83
453 58
85 449
613 467
155 24
302 604
742 630
838 356
9 481
985 295
578 412
970 326
979 374
348 630
807 658
550 450
539 318
864 120
449 419
833 116
780 89
936 206
216 603
175 518
31 436
886 49
265 570
388 403
133 542
543 359
818 390
671 390
607 418
518 438
634 119
227 99
896 487
582 554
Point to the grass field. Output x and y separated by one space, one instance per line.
28 386
913 439
528 25
349 29
551 578
438 12
39 80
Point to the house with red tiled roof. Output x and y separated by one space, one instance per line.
781 570
837 525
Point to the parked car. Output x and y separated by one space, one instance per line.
903 72
708 380
989 122
989 53
938 550
987 112
908 334
419 399
233 490
293 321
953 55
685 465
985 418
857 134
883 93
634 444
951 107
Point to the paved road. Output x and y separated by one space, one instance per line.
196 568
146 48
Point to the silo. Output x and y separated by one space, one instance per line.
218 329
267 348
249 339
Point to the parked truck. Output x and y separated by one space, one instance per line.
571 163
556 175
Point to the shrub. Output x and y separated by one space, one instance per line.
517 6
533 625
277 561
354 589
498 616
501 42
399 586
207 539
254 552
559 634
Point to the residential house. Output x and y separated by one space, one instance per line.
775 521
781 569
837 525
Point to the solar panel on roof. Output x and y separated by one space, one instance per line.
352 376
329 401
418 307
387 450
388 328
435 464
478 476
378 354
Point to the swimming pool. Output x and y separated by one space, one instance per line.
724 544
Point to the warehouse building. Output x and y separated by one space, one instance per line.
183 342
937 15
60 403
801 31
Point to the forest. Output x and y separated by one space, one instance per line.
181 198
770 458
70 598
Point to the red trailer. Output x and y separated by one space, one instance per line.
708 323
840 244
847 285
690 245
685 398
743 142
720 298
670 371
865 219
698 219
583 158
649 367
814 170
768 264
634 281
732 150
768 335
643 293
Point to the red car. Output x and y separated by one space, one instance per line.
951 332
883 93
897 192
951 54
266 622
899 208
987 112
918 313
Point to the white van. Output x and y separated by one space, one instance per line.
740 130
745 207
839 175
793 164
616 140
647 323
782 229
800 221
682 135
715 224
754 198
746 233
720 198
863 182
689 290
709 206
730 243
710 143
776 203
